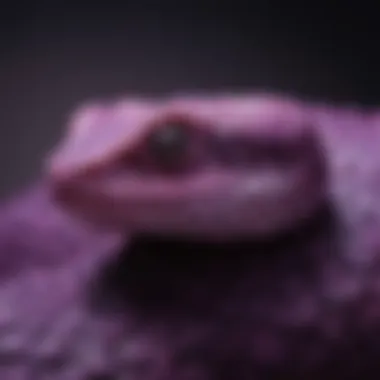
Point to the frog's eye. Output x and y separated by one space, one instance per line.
170 145
169 142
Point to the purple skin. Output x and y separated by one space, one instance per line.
217 168
300 300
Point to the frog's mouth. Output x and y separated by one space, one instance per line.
206 202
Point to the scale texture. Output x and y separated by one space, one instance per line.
77 304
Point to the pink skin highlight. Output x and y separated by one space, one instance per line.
254 167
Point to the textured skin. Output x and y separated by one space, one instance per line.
76 305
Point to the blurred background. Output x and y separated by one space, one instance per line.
56 54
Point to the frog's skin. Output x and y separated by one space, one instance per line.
300 299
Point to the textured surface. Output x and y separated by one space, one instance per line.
72 306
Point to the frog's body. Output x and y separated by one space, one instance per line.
303 304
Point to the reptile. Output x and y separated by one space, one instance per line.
197 237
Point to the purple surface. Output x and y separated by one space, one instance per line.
74 306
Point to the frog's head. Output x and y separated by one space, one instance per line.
198 166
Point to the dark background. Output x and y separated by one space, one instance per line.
54 55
